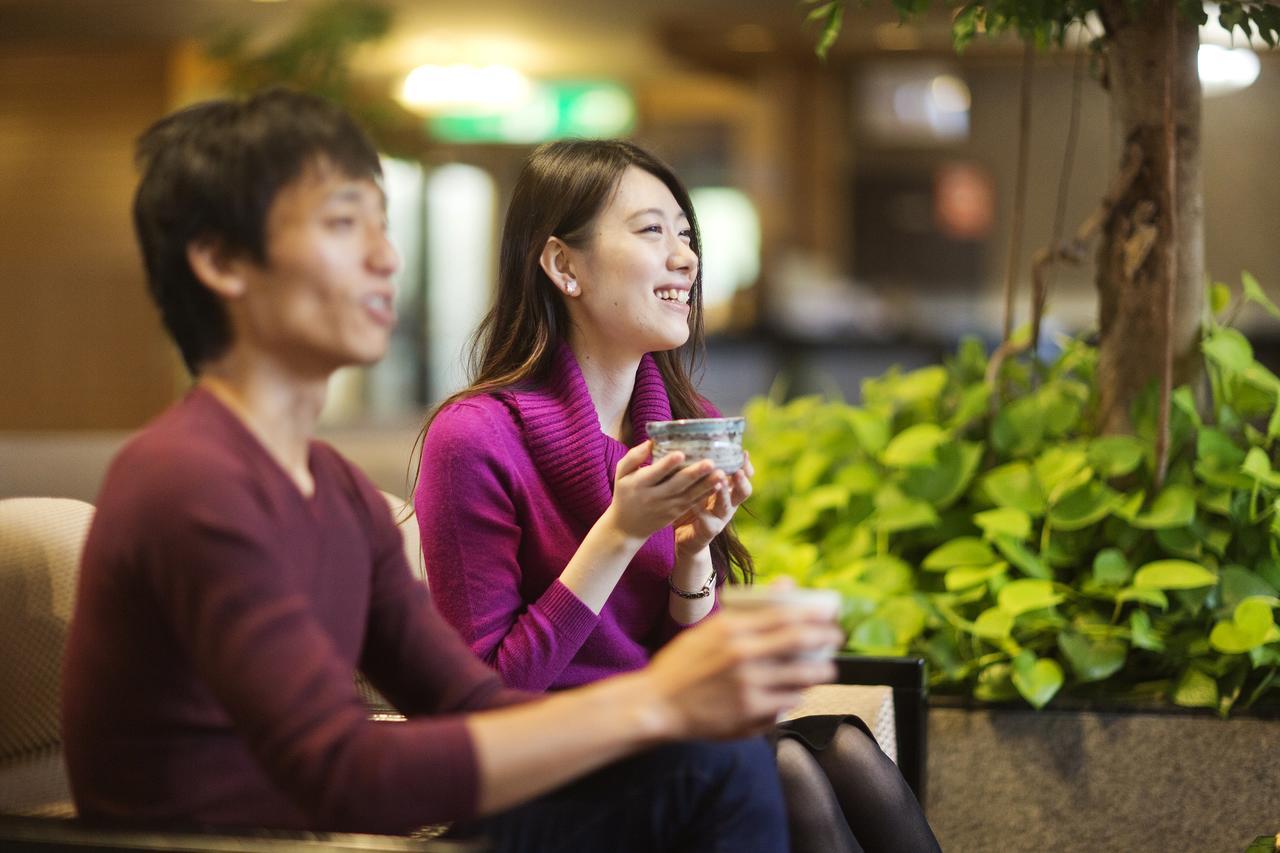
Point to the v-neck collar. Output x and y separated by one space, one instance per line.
254 445
563 435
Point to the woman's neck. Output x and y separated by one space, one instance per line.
611 379
280 410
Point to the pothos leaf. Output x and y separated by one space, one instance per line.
1228 349
1253 292
1037 679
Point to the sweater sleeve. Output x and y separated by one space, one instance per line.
415 658
215 568
471 533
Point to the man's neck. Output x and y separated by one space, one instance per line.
611 379
278 408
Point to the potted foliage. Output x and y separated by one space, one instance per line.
1033 561
1098 532
1022 553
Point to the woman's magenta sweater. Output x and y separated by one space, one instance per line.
509 485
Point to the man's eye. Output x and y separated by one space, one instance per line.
340 221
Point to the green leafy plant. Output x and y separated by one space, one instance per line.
1264 844
1020 552
318 55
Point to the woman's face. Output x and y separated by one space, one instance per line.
636 271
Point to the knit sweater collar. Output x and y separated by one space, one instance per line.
563 434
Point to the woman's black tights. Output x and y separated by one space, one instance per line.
850 797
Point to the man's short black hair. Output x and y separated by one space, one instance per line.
211 172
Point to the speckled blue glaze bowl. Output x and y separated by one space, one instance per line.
717 439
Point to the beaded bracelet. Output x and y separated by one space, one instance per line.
702 593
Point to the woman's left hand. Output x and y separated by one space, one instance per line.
696 528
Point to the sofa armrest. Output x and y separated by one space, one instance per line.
906 677
42 835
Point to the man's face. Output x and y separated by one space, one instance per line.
325 297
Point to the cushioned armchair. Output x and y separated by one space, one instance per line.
41 540
889 695
40 544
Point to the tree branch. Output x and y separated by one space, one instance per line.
1074 250
1041 279
1006 349
1020 190
1171 256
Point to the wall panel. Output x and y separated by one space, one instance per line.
80 344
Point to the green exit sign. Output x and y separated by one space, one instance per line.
552 111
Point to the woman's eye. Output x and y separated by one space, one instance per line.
687 235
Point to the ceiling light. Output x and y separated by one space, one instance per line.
1225 61
430 88
950 93
1224 70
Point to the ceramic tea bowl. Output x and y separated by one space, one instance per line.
717 439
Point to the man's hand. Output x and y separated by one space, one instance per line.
732 675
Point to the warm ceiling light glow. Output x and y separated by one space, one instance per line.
950 93
435 87
456 47
1223 70
1225 61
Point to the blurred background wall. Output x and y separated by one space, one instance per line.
856 211
79 347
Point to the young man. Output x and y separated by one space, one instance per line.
238 571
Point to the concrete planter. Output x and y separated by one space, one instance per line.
1019 780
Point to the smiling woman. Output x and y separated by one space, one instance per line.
560 556
597 316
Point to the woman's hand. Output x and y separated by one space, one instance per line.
648 498
704 522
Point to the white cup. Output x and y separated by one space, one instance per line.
825 602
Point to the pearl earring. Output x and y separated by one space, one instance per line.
571 287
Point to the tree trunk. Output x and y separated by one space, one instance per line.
1134 253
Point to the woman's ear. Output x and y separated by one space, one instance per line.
558 266
216 268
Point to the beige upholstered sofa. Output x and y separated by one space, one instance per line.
40 544
41 540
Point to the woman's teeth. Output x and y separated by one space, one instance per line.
681 296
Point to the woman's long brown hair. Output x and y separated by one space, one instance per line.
561 189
